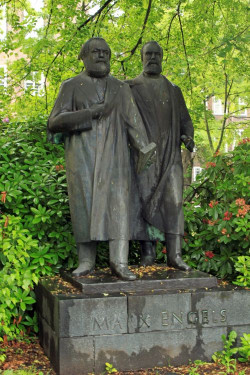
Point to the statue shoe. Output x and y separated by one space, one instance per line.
147 253
83 269
122 271
147 260
178 263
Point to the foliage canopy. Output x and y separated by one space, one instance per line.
204 43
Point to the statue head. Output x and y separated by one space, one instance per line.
151 55
95 54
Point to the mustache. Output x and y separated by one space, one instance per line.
152 63
101 60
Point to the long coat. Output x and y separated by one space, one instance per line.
166 119
97 155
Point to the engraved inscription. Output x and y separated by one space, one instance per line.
223 314
167 320
140 321
164 318
192 317
100 323
144 320
204 314
202 317
106 323
178 318
117 322
215 320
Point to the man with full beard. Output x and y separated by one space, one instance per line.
97 118
167 122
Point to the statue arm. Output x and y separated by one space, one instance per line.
135 127
186 125
137 132
63 118
71 121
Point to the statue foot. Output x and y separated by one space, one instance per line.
147 253
122 271
179 264
147 260
83 269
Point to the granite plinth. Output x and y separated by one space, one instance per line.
138 328
161 279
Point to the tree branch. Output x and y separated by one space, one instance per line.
187 199
59 52
185 51
141 35
169 29
227 92
49 20
207 126
103 16
229 40
239 110
94 15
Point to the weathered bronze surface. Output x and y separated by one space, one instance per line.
167 122
97 118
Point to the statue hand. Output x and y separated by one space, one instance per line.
101 110
188 142
97 111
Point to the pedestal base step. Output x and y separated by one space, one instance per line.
136 326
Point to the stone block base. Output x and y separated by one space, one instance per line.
136 329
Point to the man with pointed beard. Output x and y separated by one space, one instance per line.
97 118
167 122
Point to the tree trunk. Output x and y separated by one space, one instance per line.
187 161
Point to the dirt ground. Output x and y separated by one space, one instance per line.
30 356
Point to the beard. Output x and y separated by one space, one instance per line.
152 68
98 70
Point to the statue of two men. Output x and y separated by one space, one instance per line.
102 122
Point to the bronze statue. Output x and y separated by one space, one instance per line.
167 122
97 117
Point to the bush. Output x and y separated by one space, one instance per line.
35 227
217 216
36 233
18 274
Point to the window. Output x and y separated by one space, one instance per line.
3 76
217 107
33 83
242 113
196 171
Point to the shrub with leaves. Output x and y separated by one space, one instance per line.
244 349
18 274
217 216
242 266
36 235
225 356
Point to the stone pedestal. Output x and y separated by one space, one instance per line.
168 317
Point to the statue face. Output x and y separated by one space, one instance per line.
97 62
151 59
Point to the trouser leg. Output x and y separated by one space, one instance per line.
118 255
147 253
86 255
174 252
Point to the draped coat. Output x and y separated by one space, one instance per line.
97 154
166 119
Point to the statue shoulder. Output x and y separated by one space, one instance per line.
117 84
171 83
73 81
173 87
135 81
